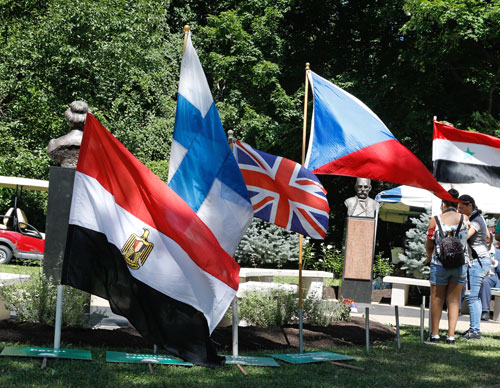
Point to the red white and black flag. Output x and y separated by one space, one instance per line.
133 241
465 157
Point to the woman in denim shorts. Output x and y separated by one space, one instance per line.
446 284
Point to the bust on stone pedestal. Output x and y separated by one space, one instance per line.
361 205
65 149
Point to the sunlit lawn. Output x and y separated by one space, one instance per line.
468 364
22 267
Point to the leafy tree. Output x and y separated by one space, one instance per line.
243 53
119 56
455 58
408 60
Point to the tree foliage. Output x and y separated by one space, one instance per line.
119 56
413 258
408 60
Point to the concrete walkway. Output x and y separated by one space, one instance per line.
410 315
110 321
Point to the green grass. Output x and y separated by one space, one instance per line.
295 280
468 364
21 269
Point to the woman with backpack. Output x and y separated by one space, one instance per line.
479 263
447 236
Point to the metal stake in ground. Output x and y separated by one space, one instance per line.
422 318
430 318
235 326
367 328
396 312
58 323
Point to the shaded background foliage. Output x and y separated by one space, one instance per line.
406 59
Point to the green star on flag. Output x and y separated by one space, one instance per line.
469 154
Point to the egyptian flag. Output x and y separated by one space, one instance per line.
347 138
133 241
465 157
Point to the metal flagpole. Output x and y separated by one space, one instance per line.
230 139
234 305
435 201
58 324
304 129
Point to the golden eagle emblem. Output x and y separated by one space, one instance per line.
137 249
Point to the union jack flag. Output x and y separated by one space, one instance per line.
283 192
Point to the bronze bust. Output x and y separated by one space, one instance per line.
361 205
65 149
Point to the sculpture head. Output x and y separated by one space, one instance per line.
65 149
76 114
363 187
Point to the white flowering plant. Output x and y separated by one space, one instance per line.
324 258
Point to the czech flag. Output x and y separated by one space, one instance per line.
347 138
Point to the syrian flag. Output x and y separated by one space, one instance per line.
465 157
133 241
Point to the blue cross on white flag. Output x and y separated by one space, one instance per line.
202 168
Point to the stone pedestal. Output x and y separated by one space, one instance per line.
58 208
358 264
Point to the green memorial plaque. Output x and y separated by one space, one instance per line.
306 358
248 360
30 351
144 358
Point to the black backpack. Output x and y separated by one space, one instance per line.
449 249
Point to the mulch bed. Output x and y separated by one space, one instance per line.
249 338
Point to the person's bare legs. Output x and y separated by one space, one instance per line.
438 294
453 302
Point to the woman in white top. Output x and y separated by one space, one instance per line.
479 263
446 284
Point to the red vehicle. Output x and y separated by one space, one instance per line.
18 238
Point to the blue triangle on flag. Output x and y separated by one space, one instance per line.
243 158
265 212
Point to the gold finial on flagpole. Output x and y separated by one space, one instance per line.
186 34
230 137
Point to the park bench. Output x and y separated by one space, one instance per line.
9 278
400 287
496 308
312 281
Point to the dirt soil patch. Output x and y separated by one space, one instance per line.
249 338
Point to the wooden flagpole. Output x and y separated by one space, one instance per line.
304 130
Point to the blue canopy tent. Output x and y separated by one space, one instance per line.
397 204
